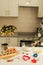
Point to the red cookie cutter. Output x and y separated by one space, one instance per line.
34 60
25 57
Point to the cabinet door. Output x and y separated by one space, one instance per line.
3 7
13 8
2 40
34 3
9 8
13 41
40 10
22 2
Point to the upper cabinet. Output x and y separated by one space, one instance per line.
13 7
40 10
33 3
3 7
9 8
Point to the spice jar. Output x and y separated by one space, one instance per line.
4 46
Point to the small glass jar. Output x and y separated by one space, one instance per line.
4 46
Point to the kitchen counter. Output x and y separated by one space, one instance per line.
18 60
19 34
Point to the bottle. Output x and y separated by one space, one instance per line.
23 44
39 34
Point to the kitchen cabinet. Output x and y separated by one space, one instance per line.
12 41
3 7
9 8
40 10
32 3
13 7
2 40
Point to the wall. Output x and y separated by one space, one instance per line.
27 20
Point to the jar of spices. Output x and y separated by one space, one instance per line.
4 46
